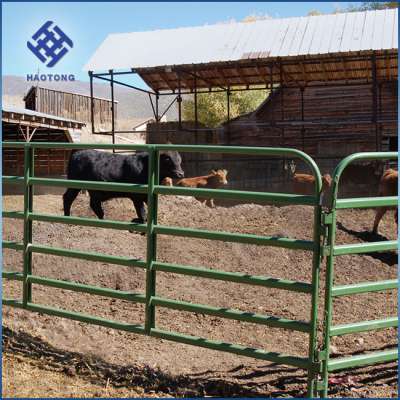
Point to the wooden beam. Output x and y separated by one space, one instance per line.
388 69
303 71
325 71
346 76
164 78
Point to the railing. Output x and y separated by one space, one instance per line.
317 363
332 250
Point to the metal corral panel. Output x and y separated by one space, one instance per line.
266 39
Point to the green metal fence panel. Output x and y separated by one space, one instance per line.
332 250
152 229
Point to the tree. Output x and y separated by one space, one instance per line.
212 108
369 5
313 13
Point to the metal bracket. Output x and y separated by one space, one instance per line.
322 355
320 386
327 219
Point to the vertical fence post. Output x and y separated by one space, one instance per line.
316 266
28 199
152 210
328 300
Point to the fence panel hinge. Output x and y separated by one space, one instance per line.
327 219
320 386
322 355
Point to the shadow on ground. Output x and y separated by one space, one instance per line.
387 257
270 380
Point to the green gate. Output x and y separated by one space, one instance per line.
334 291
314 364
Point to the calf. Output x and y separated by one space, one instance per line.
93 165
214 180
387 187
305 184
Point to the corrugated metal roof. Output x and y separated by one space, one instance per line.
265 39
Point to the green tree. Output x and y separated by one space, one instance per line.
212 108
370 5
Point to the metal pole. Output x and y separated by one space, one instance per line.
157 100
179 100
196 117
112 108
302 115
152 207
328 299
375 102
28 200
282 103
91 101
228 101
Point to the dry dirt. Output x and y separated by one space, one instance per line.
68 358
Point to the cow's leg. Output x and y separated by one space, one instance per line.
210 203
95 205
380 212
68 198
140 211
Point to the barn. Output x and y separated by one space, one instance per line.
332 79
22 125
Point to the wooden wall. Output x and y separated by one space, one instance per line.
48 162
70 106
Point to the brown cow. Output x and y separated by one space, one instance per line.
214 180
304 183
387 187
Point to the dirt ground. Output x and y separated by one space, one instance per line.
68 358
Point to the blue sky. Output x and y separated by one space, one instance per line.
87 24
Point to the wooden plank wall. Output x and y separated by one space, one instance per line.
48 162
70 106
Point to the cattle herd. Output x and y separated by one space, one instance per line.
92 165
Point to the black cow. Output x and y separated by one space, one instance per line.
93 165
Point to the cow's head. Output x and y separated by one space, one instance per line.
326 182
219 176
170 165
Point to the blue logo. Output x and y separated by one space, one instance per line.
50 44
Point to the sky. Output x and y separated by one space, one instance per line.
89 23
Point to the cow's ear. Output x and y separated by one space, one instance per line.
213 171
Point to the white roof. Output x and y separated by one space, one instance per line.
271 38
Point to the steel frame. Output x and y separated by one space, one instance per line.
332 291
277 76
318 363
151 265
